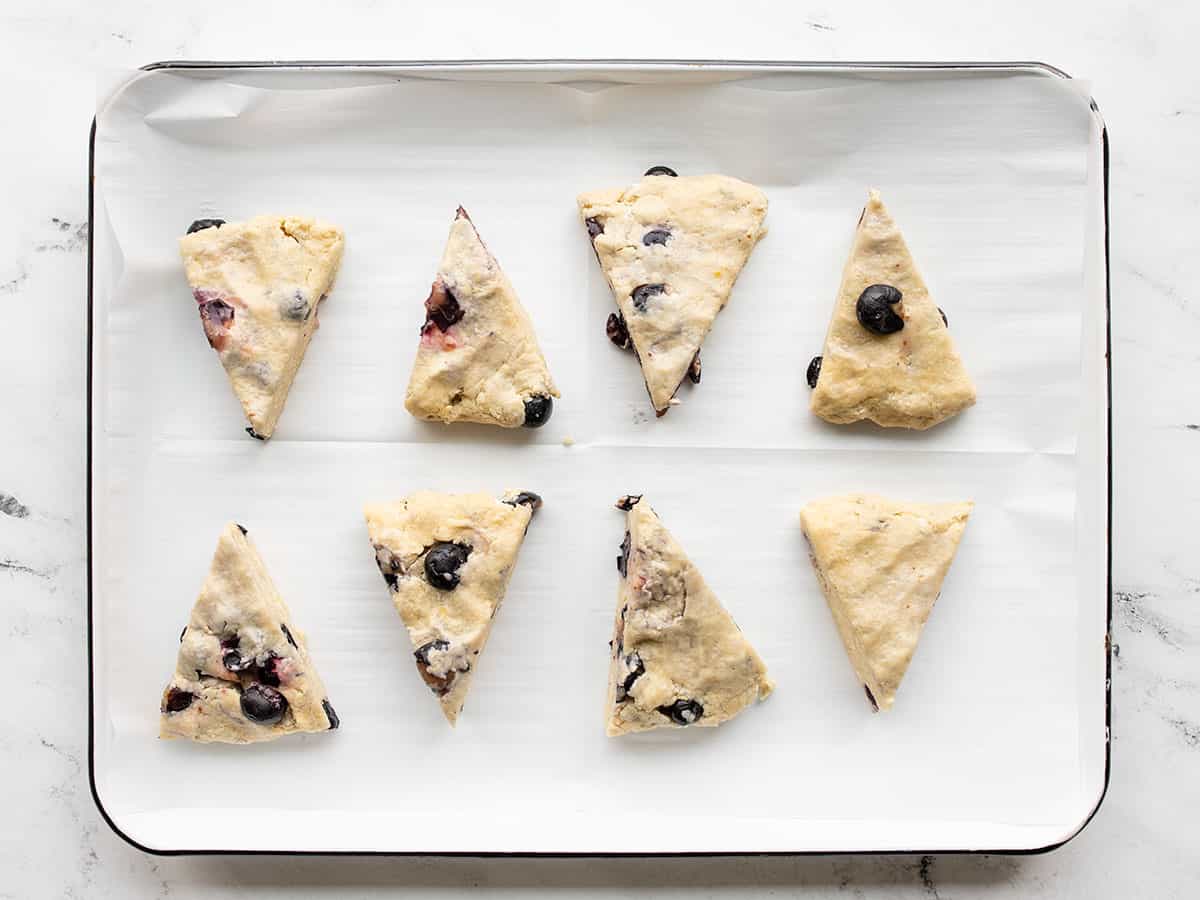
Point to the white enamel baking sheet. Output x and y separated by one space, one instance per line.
998 738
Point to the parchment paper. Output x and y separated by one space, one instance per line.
993 178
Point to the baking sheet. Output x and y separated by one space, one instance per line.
997 740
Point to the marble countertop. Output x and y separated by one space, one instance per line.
1138 59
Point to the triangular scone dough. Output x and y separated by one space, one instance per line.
466 542
244 673
478 360
671 249
258 284
678 658
881 565
911 378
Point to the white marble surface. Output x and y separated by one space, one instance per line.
1140 59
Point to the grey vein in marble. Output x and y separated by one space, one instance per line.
11 506
72 238
1137 616
14 284
1189 730
924 872
1163 288
11 565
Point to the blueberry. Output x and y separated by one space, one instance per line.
683 712
182 633
389 565
537 410
623 559
441 308
662 170
295 307
422 652
871 697
526 498
594 226
814 371
616 331
874 309
266 669
945 321
201 224
656 236
263 704
233 661
633 662
178 700
254 434
693 372
642 294
241 528
442 563
628 502
332 716
287 634
439 684
216 316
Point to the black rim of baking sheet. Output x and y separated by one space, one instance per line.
632 65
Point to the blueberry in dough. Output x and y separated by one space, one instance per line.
617 331
201 224
537 410
442 563
636 670
330 714
439 684
683 712
814 371
623 559
295 307
526 498
874 309
266 670
442 309
643 292
263 704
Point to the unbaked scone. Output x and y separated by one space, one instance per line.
888 353
243 673
678 658
671 248
447 559
258 285
881 564
478 360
